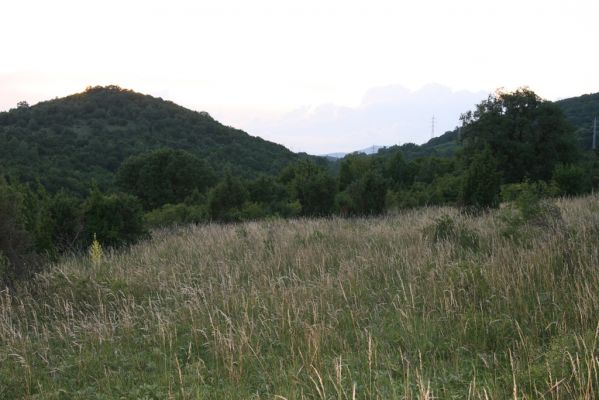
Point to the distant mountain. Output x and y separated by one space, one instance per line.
67 142
368 150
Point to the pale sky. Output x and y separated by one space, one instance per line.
243 61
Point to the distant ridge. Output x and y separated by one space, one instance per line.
368 150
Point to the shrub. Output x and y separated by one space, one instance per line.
116 219
365 196
445 228
164 176
176 214
18 259
226 199
482 183
571 180
527 208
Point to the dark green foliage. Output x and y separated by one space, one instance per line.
571 180
66 218
176 214
271 197
481 183
527 136
362 186
365 196
67 143
580 113
18 258
38 221
164 176
226 200
444 146
352 168
312 186
116 219
398 171
592 167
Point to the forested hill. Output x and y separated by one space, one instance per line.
580 112
67 142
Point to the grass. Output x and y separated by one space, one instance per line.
427 304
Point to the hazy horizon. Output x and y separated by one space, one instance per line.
270 65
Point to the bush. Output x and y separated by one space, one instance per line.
482 183
364 196
312 186
18 258
226 199
176 214
571 180
527 208
67 222
445 228
115 219
164 176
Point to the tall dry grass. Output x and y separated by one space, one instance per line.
424 304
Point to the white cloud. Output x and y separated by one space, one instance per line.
387 115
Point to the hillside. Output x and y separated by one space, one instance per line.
580 112
428 304
68 142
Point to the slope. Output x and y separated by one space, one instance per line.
67 142
580 112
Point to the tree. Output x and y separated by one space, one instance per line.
18 259
116 219
312 186
272 197
364 196
482 183
571 180
398 171
164 176
526 135
226 200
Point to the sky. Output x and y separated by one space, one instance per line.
276 68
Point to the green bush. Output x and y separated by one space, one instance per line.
115 219
571 180
527 208
164 176
18 258
312 186
482 183
364 196
444 228
226 199
176 214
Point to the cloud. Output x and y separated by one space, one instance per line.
387 115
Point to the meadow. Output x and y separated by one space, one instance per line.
422 304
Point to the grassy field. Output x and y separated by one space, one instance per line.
428 304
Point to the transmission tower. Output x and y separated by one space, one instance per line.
433 127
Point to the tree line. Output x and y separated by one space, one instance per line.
510 141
